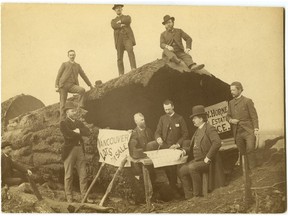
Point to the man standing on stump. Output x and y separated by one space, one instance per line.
73 150
67 82
171 43
243 118
123 38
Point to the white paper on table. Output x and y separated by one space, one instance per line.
166 157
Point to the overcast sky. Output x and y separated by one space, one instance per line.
235 43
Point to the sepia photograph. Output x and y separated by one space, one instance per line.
141 108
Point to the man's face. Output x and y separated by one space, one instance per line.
118 10
72 113
235 91
197 121
71 56
169 109
169 24
140 122
7 150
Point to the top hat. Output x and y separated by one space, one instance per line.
5 143
166 18
70 105
117 5
198 110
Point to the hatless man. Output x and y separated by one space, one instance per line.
73 150
171 43
202 149
170 133
123 38
67 82
243 119
8 176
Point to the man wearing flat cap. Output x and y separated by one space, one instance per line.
123 38
243 119
8 175
173 49
202 149
73 153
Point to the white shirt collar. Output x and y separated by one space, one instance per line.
71 119
172 114
238 97
201 126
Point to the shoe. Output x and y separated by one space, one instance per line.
70 199
175 60
133 69
89 200
197 67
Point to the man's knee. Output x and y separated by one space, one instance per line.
153 145
81 91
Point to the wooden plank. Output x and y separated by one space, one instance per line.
148 187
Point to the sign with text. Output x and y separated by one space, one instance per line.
217 116
113 146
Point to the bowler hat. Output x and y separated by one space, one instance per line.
70 105
198 110
166 18
138 153
5 143
117 5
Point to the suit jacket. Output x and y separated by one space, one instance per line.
125 19
7 166
210 143
66 72
71 138
139 139
167 38
175 126
243 109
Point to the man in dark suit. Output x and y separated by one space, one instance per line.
203 147
171 43
8 165
123 38
73 153
170 133
243 118
67 82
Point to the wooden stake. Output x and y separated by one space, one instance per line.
109 188
247 182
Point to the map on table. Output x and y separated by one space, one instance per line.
166 157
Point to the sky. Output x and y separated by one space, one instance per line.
234 43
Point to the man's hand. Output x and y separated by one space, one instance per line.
159 141
122 25
118 22
187 50
233 121
256 132
56 89
77 130
91 87
29 172
174 146
207 160
170 48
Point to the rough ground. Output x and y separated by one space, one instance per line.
268 186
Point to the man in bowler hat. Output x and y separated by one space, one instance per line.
123 38
202 149
67 82
73 153
243 119
171 43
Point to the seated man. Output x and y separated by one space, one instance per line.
203 148
171 43
8 176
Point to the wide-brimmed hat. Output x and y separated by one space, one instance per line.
138 153
198 110
166 18
117 5
70 105
5 143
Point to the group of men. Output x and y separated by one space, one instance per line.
170 42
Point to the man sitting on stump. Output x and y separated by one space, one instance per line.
171 43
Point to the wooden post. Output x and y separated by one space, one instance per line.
91 185
148 187
205 183
108 190
247 182
34 188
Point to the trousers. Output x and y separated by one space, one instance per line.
179 54
190 176
75 158
64 94
125 43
